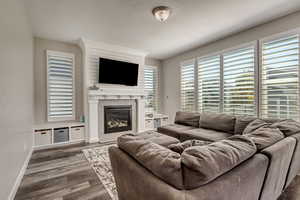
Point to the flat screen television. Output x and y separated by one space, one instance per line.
118 72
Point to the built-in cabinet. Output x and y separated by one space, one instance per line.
58 134
153 121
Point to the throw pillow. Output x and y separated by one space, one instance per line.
180 147
255 125
264 137
288 127
241 123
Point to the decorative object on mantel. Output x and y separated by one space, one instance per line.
99 160
94 87
161 13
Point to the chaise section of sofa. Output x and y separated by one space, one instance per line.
141 171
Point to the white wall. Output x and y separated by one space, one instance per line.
16 92
171 66
40 76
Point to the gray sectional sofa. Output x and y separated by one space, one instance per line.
219 157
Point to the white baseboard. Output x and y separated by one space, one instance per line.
50 146
20 176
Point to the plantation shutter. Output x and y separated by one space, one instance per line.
60 86
151 87
280 78
209 84
187 85
239 81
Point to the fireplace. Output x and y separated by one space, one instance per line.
117 119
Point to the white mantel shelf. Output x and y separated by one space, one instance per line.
103 94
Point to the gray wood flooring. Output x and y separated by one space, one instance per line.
65 174
61 174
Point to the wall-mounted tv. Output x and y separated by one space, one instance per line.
118 72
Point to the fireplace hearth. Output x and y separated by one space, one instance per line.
117 119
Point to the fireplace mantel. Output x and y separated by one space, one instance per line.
110 94
95 97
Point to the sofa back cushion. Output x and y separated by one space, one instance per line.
265 136
241 123
220 122
161 161
288 127
202 164
187 118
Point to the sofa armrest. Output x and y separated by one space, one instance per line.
243 182
295 163
280 155
135 182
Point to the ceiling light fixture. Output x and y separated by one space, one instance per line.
161 13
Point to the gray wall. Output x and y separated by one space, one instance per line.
171 66
16 90
40 76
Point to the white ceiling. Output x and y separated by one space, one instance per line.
129 23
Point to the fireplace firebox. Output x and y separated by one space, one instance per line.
117 119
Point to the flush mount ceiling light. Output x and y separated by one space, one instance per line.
161 13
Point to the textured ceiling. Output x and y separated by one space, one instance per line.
129 23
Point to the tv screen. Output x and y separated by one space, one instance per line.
118 72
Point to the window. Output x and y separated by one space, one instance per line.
151 87
209 84
187 85
60 86
238 81
280 78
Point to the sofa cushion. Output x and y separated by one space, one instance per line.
173 130
288 127
187 118
161 161
203 134
241 123
157 138
255 125
220 122
264 137
180 147
202 164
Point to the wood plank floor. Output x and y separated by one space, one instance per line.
61 174
65 174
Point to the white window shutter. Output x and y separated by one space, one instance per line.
239 81
151 87
280 78
187 85
209 84
60 86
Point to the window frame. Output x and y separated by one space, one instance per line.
62 54
194 61
260 60
256 71
221 55
157 92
